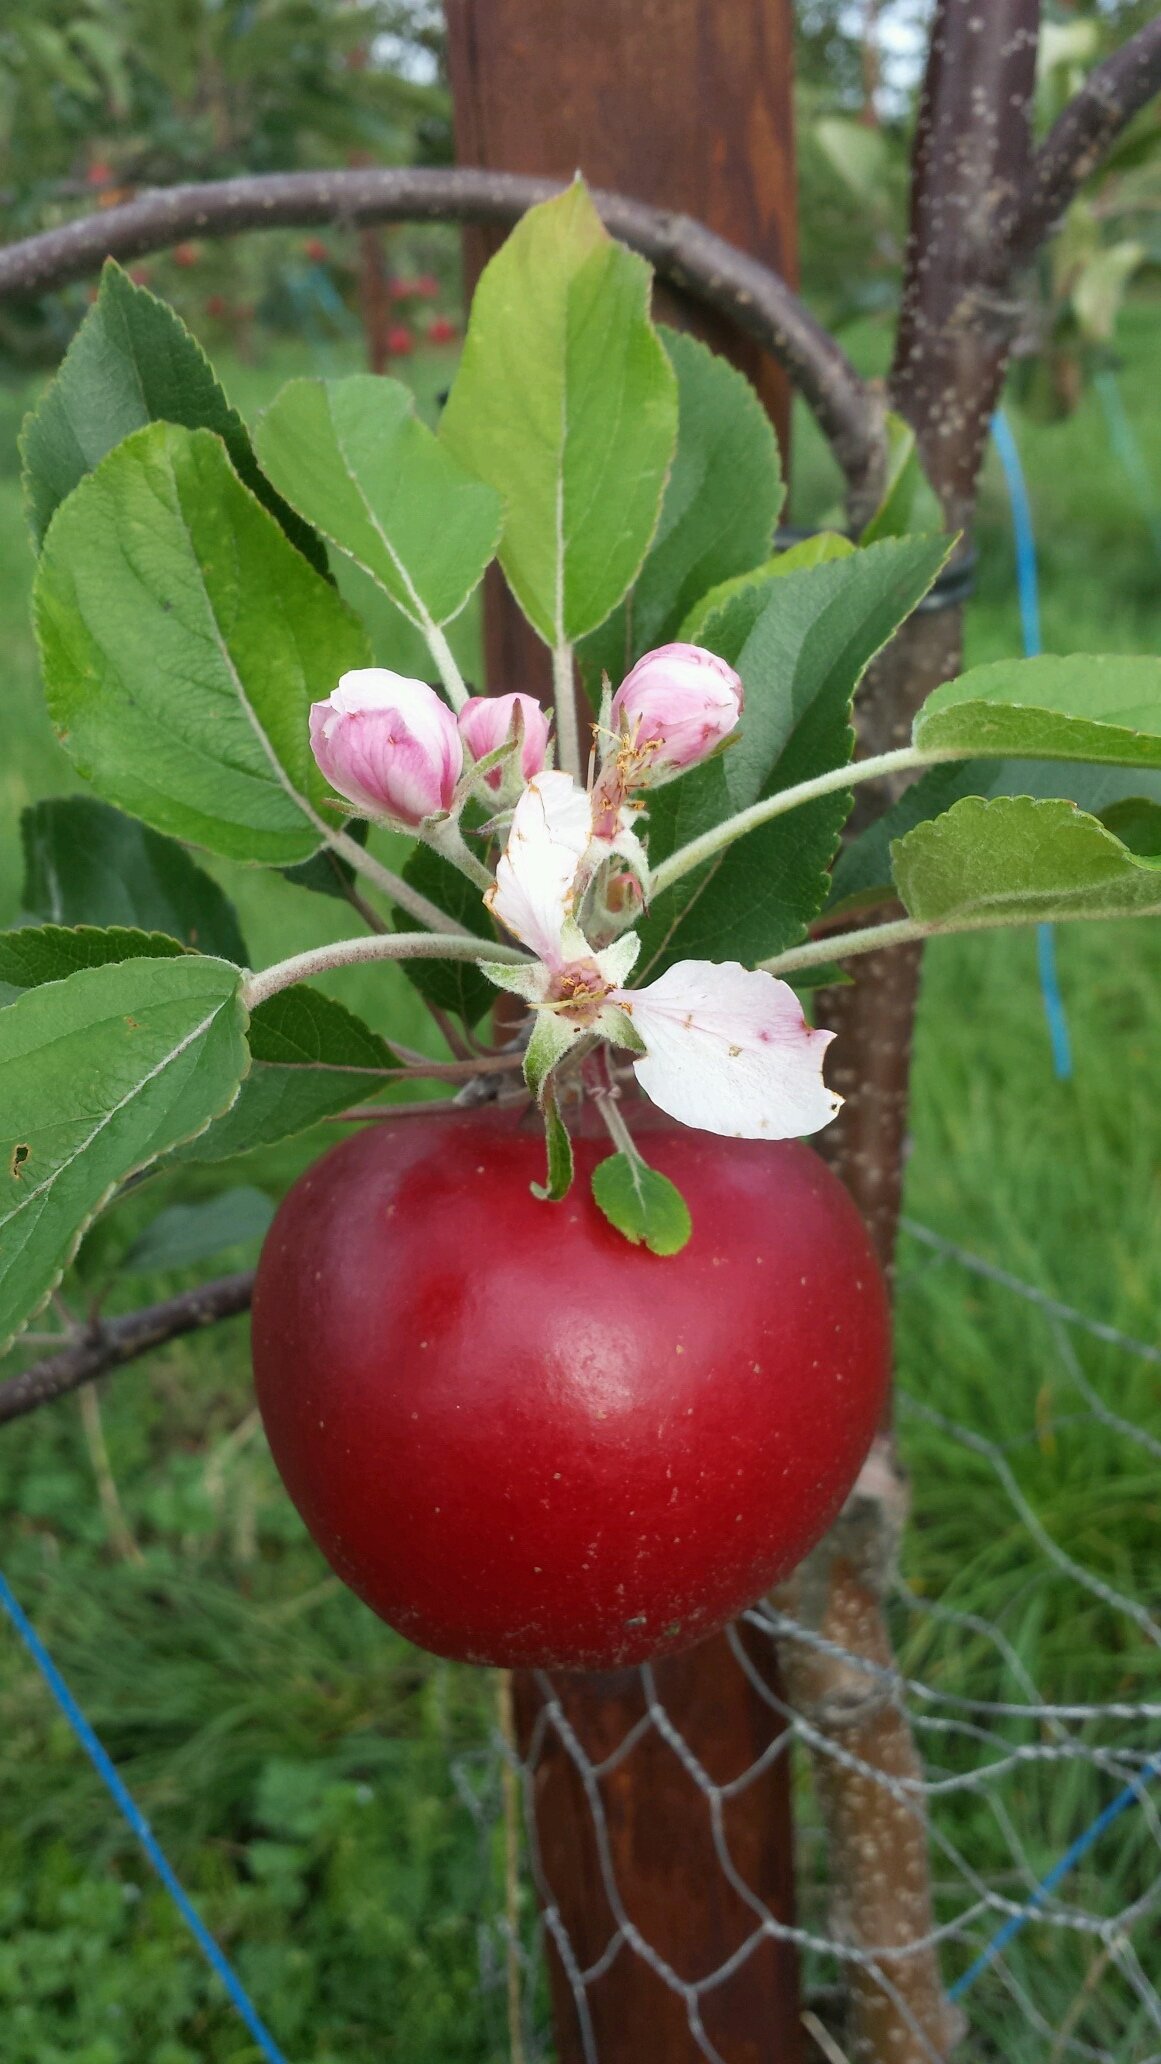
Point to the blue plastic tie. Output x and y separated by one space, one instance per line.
1072 1856
1028 585
123 1799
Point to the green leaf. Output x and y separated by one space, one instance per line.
183 641
718 515
354 458
85 863
566 403
909 502
818 550
1020 861
801 648
33 954
312 1057
99 1074
1105 708
458 986
558 1182
187 1233
812 638
642 1204
133 362
863 875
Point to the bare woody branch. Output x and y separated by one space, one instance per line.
683 251
1081 139
112 1342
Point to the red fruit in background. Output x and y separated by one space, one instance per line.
141 275
441 330
524 1441
401 289
315 249
100 173
186 255
217 306
400 340
426 287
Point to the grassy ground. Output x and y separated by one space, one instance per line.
298 1760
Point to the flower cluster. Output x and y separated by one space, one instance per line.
391 747
715 1044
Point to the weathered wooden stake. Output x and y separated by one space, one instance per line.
689 107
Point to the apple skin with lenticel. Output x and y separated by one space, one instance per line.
523 1440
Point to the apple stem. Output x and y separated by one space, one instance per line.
321 960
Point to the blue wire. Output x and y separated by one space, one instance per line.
107 1772
1072 1856
1028 585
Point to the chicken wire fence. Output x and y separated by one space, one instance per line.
1036 1711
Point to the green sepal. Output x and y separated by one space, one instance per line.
552 1037
559 1146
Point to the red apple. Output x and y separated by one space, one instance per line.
400 340
523 1440
441 330
186 255
426 286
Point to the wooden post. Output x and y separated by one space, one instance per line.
687 106
678 102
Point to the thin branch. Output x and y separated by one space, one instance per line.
113 1342
321 960
681 250
1082 137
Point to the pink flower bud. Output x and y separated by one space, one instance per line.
388 744
486 724
672 710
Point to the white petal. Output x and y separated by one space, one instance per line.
727 1049
535 882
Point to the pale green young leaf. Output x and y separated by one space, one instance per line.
86 863
908 502
1020 861
183 640
312 1057
566 403
1104 708
718 515
99 1074
642 1204
862 872
818 550
133 362
353 457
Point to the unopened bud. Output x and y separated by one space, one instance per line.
488 721
673 710
388 744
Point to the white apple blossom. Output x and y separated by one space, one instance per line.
718 1046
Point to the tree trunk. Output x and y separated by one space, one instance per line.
689 107
971 159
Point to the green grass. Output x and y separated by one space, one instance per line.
296 1758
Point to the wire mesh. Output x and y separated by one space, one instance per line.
1037 1723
